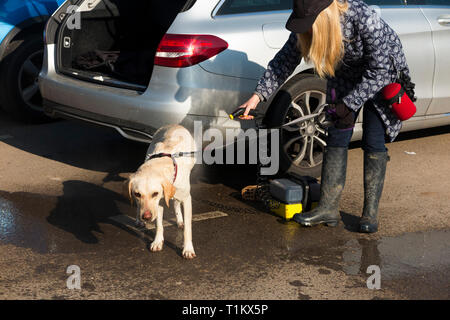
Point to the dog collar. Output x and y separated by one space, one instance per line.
171 156
161 155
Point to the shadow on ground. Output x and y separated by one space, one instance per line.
76 144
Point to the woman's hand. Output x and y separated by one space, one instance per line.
251 104
342 116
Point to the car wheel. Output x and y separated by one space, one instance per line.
301 151
19 79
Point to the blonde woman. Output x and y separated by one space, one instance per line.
358 53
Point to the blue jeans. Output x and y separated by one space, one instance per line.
374 132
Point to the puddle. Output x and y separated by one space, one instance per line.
65 224
405 255
26 230
7 218
398 257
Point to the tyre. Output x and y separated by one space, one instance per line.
301 151
19 74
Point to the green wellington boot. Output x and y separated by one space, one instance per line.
374 172
332 183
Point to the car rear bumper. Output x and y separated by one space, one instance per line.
129 130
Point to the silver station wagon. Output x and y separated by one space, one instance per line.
138 65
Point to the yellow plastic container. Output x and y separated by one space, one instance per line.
284 210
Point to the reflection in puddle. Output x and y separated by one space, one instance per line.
405 255
410 254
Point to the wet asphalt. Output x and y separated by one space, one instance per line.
61 190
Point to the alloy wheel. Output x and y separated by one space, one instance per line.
305 146
28 80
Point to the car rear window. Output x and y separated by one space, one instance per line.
248 6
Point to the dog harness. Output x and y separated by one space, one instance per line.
172 156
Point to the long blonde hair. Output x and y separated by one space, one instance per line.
324 47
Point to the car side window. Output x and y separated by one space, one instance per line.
385 2
248 6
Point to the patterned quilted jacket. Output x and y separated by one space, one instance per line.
373 57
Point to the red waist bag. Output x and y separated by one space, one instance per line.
399 101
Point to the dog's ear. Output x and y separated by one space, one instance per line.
128 185
169 191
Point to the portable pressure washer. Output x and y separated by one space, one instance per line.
293 194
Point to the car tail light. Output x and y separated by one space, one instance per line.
184 50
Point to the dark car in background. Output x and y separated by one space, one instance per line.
22 24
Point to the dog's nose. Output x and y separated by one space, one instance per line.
147 215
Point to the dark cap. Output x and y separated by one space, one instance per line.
305 13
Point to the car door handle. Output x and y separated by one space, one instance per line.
444 20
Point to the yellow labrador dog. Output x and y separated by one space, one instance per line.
166 174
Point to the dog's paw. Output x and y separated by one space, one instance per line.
156 246
180 224
189 253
